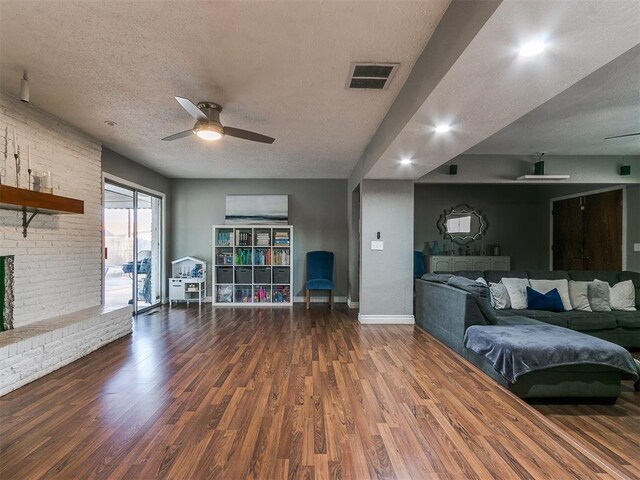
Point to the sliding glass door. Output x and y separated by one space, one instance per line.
133 247
148 239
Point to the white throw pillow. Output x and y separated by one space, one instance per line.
517 288
623 296
579 295
499 296
544 286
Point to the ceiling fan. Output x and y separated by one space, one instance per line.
621 136
208 126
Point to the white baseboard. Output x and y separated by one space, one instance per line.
301 299
387 319
352 304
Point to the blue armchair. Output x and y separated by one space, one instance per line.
319 274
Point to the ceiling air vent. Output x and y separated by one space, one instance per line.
372 76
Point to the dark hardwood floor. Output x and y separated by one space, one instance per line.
283 393
612 431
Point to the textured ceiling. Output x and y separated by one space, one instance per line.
489 87
278 68
576 121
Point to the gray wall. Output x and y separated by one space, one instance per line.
632 207
354 244
513 213
386 282
317 211
123 167
494 169
519 216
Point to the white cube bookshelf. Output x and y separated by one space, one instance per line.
252 265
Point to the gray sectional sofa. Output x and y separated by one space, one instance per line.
618 327
453 307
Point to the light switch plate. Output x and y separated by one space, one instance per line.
377 245
636 247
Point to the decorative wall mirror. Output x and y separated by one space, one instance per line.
462 224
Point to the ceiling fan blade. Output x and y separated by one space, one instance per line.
192 109
247 135
176 136
620 136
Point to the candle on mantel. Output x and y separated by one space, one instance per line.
29 158
15 142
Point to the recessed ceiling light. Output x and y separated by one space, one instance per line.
442 128
532 48
406 161
110 123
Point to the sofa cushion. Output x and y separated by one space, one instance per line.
586 321
629 320
319 284
554 318
547 275
470 274
517 288
437 277
470 286
579 295
588 275
562 285
635 278
599 296
499 296
496 275
549 301
622 296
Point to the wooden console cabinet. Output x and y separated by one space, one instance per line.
454 263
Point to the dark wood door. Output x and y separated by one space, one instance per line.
602 216
587 232
567 234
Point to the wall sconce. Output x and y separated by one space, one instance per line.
453 169
625 169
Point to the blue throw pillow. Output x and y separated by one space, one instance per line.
550 301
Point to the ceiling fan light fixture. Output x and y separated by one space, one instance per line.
209 132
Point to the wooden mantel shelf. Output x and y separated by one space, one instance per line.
12 198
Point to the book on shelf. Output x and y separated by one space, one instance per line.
262 294
243 294
225 238
281 257
263 239
262 256
281 237
281 294
243 256
225 294
244 239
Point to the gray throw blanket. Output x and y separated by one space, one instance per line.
519 349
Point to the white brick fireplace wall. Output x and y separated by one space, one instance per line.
58 266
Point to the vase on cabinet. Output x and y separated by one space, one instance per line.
435 249
426 251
